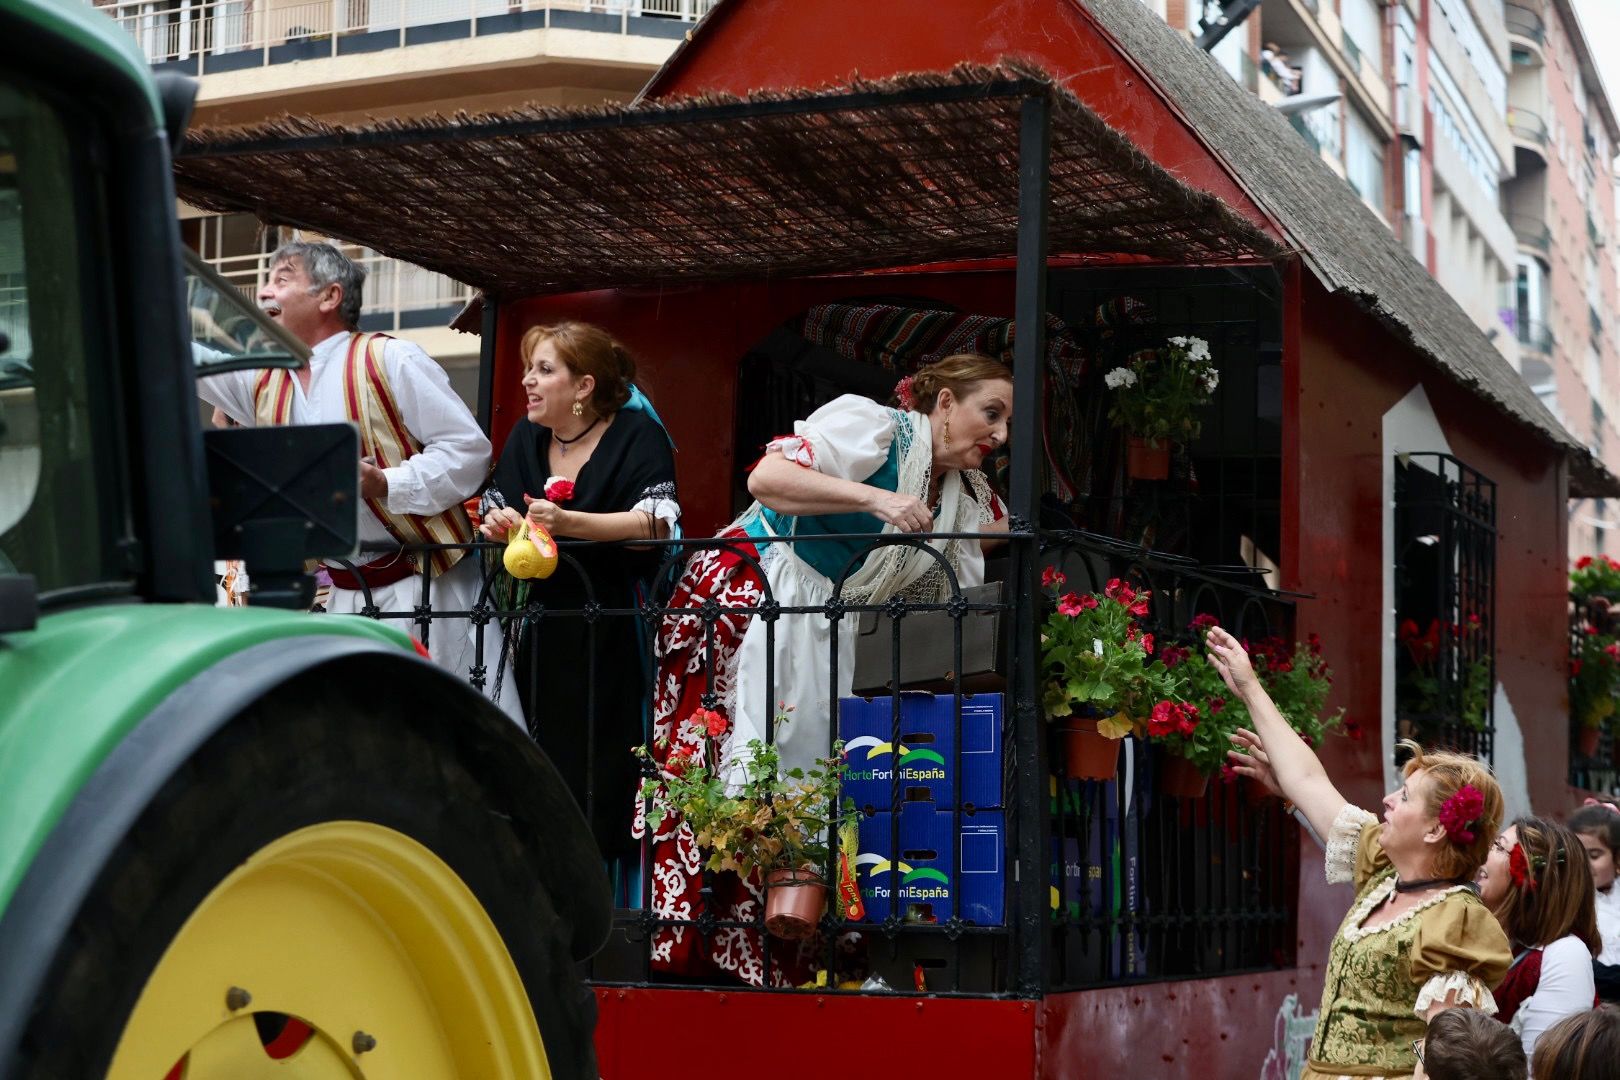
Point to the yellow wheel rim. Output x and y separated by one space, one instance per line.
358 932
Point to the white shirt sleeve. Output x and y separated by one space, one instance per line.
849 437
231 391
1566 987
454 460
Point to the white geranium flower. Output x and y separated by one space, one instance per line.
1198 349
1120 376
1212 379
1179 342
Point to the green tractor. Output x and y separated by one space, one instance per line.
233 842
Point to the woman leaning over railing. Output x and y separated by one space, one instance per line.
1417 940
854 467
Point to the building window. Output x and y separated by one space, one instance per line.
1445 587
1364 159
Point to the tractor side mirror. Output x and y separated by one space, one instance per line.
280 496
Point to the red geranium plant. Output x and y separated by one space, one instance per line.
1096 656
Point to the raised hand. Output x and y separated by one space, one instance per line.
1231 660
1250 760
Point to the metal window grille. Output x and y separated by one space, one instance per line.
1445 603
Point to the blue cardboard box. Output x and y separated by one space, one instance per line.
937 872
927 749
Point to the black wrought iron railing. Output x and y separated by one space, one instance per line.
1445 602
1118 882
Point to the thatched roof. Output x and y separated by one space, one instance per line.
1347 246
911 170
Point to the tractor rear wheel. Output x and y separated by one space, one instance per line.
317 894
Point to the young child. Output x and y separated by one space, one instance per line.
1598 826
1585 1046
1465 1044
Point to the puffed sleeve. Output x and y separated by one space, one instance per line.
849 437
1353 851
1459 949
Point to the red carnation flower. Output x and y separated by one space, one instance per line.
1519 868
559 490
1461 812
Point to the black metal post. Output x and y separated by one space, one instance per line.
1029 348
486 364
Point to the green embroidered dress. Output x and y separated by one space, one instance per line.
1382 980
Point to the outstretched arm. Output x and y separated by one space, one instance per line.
1298 770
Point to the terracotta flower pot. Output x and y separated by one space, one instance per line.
1587 741
1144 461
1180 778
794 901
1090 755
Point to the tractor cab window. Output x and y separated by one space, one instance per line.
54 502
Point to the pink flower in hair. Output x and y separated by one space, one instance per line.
1460 813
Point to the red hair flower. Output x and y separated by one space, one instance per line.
1519 868
1460 813
902 394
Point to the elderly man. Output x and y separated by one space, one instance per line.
423 451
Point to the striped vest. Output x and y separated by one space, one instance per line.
368 401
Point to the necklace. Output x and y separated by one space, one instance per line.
566 443
1426 883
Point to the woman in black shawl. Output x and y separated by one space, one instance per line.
590 461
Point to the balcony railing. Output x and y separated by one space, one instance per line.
1531 231
1526 125
1524 23
228 35
1297 122
1352 51
1536 335
1145 883
397 296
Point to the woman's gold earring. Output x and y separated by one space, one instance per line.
579 410
947 434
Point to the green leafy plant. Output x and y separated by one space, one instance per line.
1201 730
745 812
1095 656
1158 394
1594 576
1594 678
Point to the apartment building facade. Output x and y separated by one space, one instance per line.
347 60
1481 132
1562 205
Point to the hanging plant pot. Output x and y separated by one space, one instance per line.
1089 754
1180 778
794 901
1144 461
1587 741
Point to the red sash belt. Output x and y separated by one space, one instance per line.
385 571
